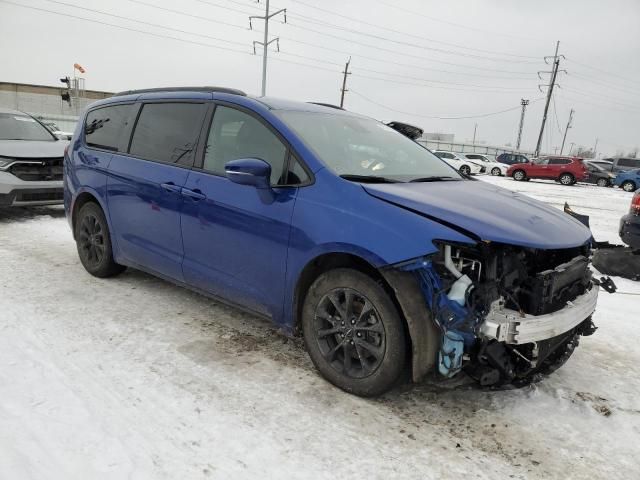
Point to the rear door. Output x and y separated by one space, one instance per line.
144 185
558 166
236 236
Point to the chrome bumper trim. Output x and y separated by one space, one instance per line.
506 325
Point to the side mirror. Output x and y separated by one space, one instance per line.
249 171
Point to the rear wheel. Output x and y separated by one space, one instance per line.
566 179
353 332
602 182
94 242
496 171
465 170
519 175
629 186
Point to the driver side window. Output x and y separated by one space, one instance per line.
235 134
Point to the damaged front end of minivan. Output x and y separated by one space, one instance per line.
505 314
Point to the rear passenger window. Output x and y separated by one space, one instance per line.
168 132
234 135
559 161
105 127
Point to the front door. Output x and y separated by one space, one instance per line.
144 186
236 236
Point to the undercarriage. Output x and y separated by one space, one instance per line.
507 314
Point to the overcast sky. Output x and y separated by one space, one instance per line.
411 59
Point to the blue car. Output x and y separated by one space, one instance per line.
628 180
336 227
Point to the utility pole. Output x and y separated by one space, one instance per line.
594 148
554 74
566 130
475 129
266 42
344 81
524 104
571 149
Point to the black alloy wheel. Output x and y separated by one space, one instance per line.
93 242
349 333
353 332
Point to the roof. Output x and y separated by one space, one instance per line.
207 89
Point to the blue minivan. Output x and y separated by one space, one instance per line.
336 227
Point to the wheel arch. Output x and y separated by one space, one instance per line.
403 290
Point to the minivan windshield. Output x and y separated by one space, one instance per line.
14 126
363 149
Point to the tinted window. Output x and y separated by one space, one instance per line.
559 161
541 161
444 155
105 127
168 132
19 126
235 134
296 174
629 162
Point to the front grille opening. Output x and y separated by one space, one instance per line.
38 169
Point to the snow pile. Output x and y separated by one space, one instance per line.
135 378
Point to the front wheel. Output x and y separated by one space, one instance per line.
519 175
353 332
465 170
93 242
496 171
602 182
567 179
629 186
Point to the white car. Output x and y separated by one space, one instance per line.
493 167
460 163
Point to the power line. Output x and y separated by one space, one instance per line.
324 47
438 117
382 27
606 72
604 84
459 25
142 22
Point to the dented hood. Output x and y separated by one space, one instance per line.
490 213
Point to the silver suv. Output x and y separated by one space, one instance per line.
30 161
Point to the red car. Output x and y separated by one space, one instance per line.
566 170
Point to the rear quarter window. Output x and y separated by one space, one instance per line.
105 127
629 162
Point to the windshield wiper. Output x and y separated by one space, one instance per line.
433 178
369 178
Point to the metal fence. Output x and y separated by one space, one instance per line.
469 148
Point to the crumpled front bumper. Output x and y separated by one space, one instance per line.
509 326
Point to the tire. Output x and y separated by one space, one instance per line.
495 171
93 242
566 179
519 175
602 182
361 350
629 186
465 170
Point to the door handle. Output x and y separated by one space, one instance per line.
193 194
170 187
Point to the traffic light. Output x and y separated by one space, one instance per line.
66 95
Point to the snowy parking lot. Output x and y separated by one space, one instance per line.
133 377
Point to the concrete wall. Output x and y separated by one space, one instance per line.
44 102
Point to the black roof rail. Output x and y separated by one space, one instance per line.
232 91
330 105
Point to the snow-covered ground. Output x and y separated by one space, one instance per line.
135 378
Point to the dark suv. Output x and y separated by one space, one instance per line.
511 158
566 170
